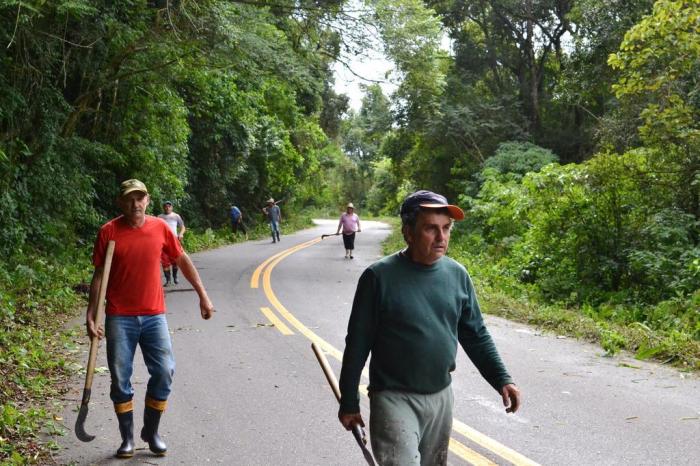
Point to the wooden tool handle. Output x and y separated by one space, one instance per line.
357 431
94 341
330 375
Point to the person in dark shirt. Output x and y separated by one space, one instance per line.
411 309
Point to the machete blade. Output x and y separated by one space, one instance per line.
82 415
359 434
80 425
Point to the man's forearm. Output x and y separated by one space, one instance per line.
188 269
487 360
348 384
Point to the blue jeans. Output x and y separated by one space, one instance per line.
275 230
151 333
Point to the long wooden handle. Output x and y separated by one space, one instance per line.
330 375
94 341
357 431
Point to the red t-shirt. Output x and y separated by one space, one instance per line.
135 287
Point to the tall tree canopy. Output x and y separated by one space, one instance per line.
207 101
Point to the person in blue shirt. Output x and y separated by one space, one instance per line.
237 221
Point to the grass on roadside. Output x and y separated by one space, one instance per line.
36 352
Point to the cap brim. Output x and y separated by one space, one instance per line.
454 211
131 190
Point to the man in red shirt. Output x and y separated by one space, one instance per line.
135 312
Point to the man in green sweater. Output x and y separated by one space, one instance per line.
410 311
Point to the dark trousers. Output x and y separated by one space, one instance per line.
349 240
238 226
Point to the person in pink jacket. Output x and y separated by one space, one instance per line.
350 224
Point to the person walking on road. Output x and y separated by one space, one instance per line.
410 311
135 311
350 224
237 221
274 217
177 226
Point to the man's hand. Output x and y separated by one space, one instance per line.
93 330
206 308
511 397
350 420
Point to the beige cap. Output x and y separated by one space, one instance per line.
350 205
132 185
270 201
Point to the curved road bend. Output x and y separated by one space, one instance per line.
248 389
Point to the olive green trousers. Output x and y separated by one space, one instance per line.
411 429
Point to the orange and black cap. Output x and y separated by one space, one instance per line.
430 200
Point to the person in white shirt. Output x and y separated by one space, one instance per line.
177 226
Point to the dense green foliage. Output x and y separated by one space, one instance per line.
36 299
208 102
570 130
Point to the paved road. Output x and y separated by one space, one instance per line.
248 392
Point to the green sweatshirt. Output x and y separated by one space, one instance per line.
410 317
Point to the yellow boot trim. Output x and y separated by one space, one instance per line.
125 407
156 404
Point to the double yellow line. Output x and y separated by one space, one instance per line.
458 448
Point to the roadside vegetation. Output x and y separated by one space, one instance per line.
569 131
581 179
666 333
37 298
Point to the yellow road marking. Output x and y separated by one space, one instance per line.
491 444
456 447
255 278
267 288
469 455
279 325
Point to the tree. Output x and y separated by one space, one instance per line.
520 158
411 33
519 38
659 65
204 101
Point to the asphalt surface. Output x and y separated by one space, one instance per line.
250 392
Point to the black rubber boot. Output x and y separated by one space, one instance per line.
167 277
175 274
126 428
274 238
278 236
149 433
